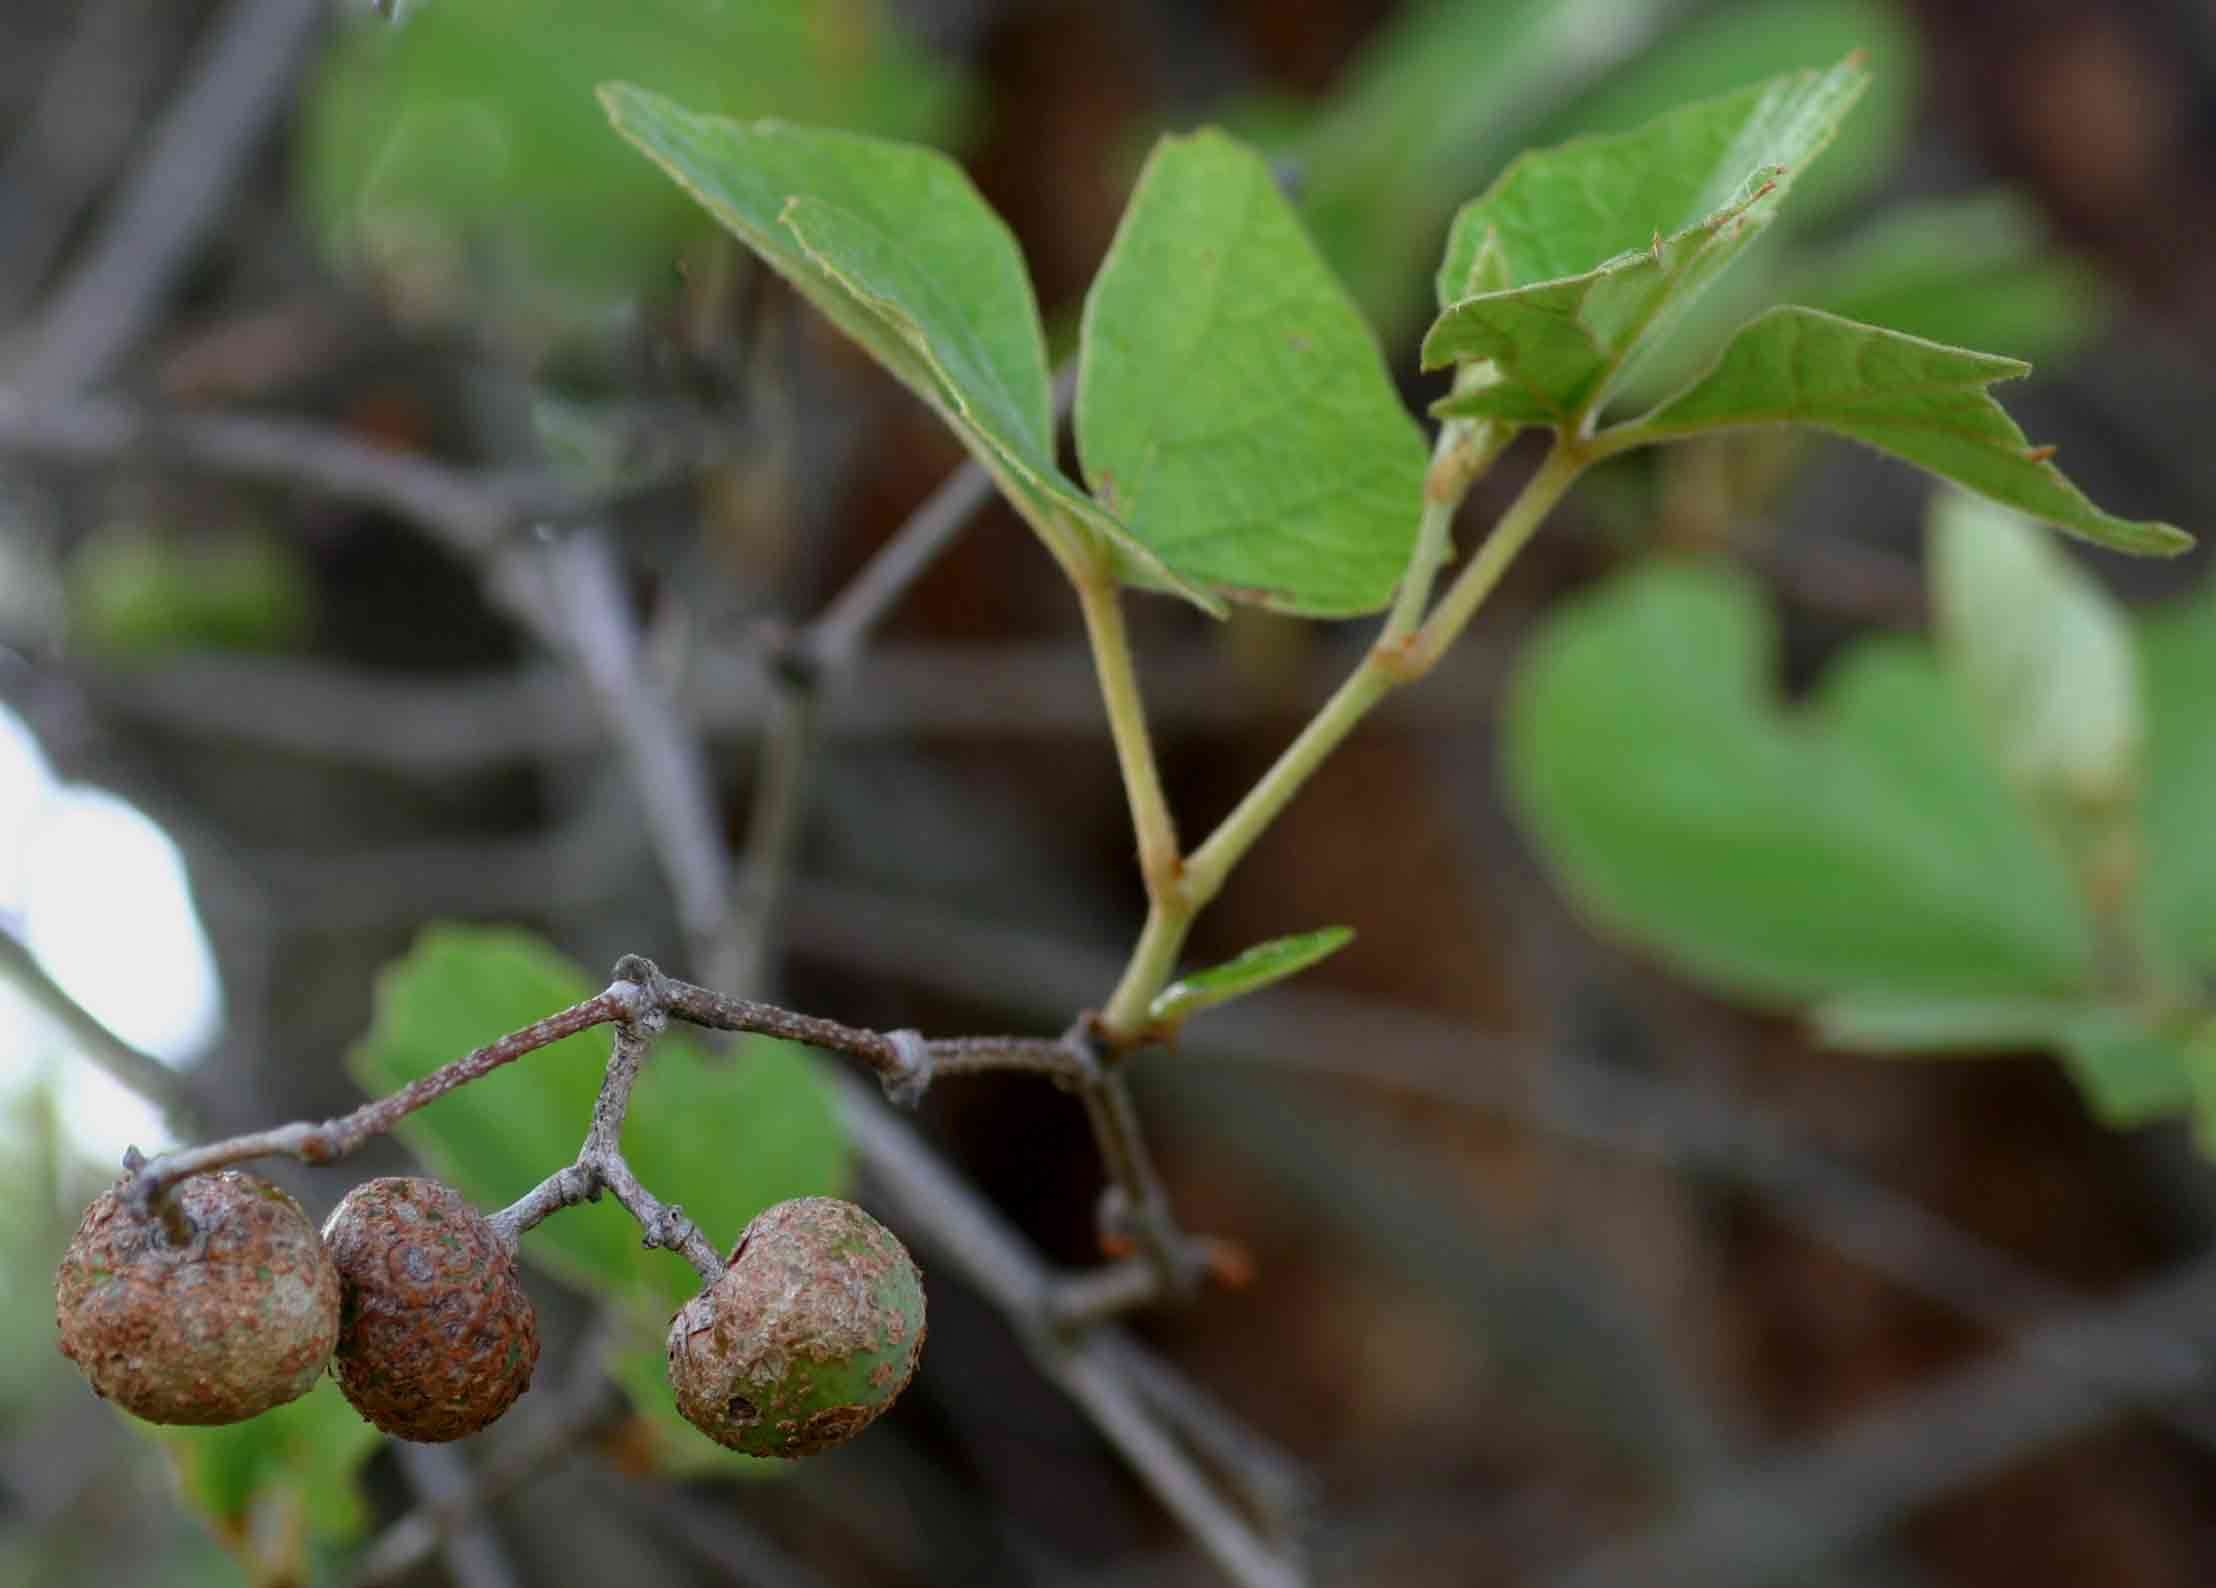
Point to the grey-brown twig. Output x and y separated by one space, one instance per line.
332 1139
144 1074
238 82
600 1164
593 627
1088 1365
639 1002
1775 1520
801 664
470 512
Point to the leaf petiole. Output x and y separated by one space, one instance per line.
1393 661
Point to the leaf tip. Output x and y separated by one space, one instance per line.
617 96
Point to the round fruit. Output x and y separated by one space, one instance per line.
221 1327
811 1331
436 1337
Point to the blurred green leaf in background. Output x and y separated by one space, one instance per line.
1997 843
461 157
134 590
278 1486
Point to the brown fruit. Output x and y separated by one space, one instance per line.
222 1327
436 1335
812 1329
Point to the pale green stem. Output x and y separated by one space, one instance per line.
1434 545
1442 496
1385 667
1153 962
1097 594
1509 537
1211 863
1465 449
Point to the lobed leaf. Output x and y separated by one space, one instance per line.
897 248
1920 401
1860 847
1234 409
1249 972
1608 240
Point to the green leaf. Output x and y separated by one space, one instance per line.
1608 240
2043 655
1861 845
897 248
134 592
1250 972
1975 271
2198 1056
1889 1023
468 140
723 1137
1917 400
1440 96
2131 1072
304 1458
1233 408
1715 49
2177 648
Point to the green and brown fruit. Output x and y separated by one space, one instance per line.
810 1332
437 1337
238 1316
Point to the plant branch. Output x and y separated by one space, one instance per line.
1126 1021
1463 452
429 728
237 83
1404 652
473 1555
471 512
637 1002
1136 1207
800 669
1564 463
846 625
334 1138
149 1077
480 522
671 779
1773 1522
1381 671
1087 1367
773 828
1159 863
1603 1106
